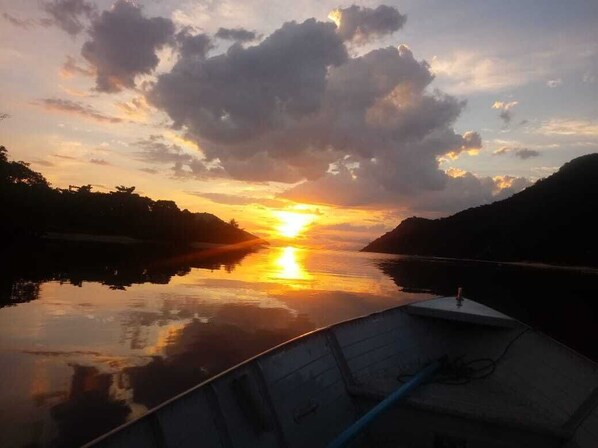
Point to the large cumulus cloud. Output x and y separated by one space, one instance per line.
296 108
288 108
247 92
123 44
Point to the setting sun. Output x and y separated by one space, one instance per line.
292 223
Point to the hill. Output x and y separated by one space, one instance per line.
31 208
553 221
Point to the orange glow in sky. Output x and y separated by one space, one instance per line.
292 223
335 16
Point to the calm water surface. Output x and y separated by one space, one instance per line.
88 341
92 337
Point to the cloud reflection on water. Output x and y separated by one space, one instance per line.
94 330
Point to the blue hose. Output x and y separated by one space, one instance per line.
360 425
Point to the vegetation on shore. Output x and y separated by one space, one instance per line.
33 208
553 221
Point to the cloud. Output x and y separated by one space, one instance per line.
60 156
71 67
76 108
361 24
228 199
569 127
506 110
43 162
233 100
348 236
78 93
233 199
123 45
136 108
26 24
20 23
466 72
506 186
352 227
455 172
236 34
553 83
357 131
70 15
149 170
101 162
193 45
156 151
458 193
471 144
522 153
504 106
466 191
296 108
502 151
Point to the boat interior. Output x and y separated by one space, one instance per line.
500 384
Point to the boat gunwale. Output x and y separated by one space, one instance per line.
153 411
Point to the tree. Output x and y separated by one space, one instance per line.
161 206
33 208
19 173
125 190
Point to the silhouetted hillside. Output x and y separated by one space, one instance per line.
31 208
552 221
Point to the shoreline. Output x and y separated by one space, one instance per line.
525 264
126 240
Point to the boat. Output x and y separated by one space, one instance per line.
446 372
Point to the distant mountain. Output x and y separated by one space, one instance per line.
33 209
553 221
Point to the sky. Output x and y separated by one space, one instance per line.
315 123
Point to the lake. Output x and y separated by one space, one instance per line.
92 336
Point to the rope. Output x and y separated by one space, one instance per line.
458 371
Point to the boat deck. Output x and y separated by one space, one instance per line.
307 391
487 400
535 394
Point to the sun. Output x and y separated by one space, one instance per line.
292 223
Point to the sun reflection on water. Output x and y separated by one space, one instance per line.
289 265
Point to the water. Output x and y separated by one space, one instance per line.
93 336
